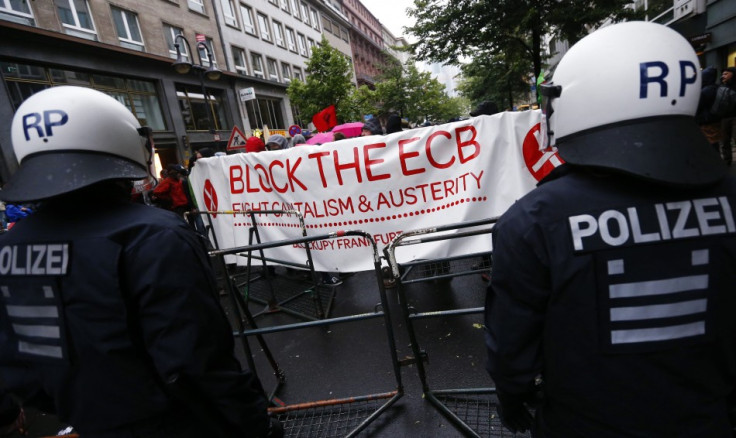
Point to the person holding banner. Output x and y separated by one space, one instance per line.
254 144
276 142
611 305
111 307
371 127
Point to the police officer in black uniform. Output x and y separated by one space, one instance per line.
612 307
111 306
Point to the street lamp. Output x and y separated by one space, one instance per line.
183 66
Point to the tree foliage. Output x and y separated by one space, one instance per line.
448 31
503 39
496 78
328 82
360 101
414 95
401 89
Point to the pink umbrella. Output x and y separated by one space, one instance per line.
350 130
319 138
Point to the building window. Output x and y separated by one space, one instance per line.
265 112
273 71
248 23
302 44
291 40
298 74
285 6
16 11
264 27
286 72
278 34
256 61
327 24
305 12
241 65
228 12
310 46
344 34
76 18
315 19
295 8
138 96
203 54
128 29
201 112
170 33
196 5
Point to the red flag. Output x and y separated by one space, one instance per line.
201 38
325 119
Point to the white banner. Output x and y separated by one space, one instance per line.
383 185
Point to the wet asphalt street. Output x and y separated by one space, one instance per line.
353 359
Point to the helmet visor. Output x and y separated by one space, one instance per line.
640 147
549 92
47 174
149 182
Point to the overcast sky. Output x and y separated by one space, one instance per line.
391 13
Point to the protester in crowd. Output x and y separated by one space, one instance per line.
199 153
728 123
254 144
710 124
393 124
195 218
169 193
205 152
486 107
298 140
121 323
16 212
183 176
276 142
337 136
372 127
611 300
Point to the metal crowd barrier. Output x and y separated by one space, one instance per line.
339 415
472 410
298 291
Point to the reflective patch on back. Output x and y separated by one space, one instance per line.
653 297
34 317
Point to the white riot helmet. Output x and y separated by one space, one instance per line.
624 98
66 138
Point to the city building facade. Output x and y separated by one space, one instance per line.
366 41
394 46
336 27
710 26
125 49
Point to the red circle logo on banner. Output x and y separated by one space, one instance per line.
294 130
210 197
539 162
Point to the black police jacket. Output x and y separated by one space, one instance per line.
620 294
113 307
